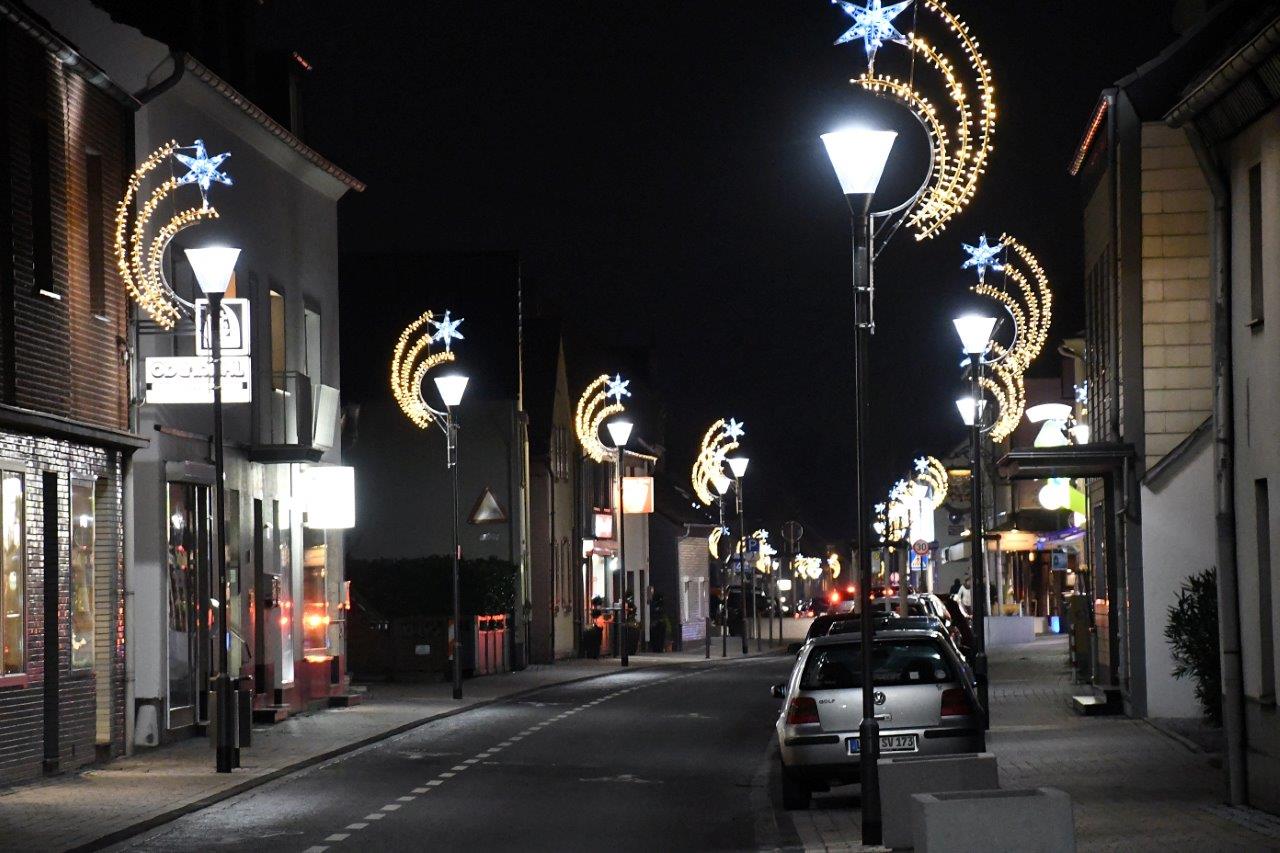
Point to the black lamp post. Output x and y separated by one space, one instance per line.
620 433
213 268
975 337
451 389
859 157
738 465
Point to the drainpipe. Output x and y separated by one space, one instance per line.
1224 474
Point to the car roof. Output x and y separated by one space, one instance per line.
883 633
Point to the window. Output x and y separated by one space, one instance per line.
284 538
1255 246
311 341
83 529
97 248
315 601
893 662
278 361
1266 628
14 585
42 211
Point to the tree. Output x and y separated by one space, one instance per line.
1192 633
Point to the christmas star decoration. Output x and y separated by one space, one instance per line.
617 388
922 465
447 331
202 169
873 24
880 508
734 429
983 257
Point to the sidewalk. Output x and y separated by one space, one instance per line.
102 805
1133 786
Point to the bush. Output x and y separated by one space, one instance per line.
1192 632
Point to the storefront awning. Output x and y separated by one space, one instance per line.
1082 460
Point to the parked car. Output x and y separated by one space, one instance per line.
923 687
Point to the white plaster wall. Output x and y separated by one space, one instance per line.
1177 541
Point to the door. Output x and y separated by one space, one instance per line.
188 580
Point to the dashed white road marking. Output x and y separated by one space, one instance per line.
420 790
356 825
447 775
318 848
390 807
339 836
375 816
435 782
406 799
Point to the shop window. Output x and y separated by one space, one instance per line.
315 600
14 584
83 530
284 538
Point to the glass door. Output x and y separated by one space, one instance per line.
188 586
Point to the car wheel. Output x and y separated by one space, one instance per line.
795 795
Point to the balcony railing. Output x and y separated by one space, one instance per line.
297 421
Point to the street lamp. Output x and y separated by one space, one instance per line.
858 156
451 389
722 484
620 434
737 465
213 268
975 339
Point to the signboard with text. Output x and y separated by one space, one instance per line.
189 379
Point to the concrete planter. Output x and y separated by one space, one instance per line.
907 775
1032 820
1010 630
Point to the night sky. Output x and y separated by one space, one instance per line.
658 168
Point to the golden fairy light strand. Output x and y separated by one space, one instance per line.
411 361
592 411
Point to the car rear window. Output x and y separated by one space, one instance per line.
893 663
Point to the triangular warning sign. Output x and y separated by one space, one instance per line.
487 510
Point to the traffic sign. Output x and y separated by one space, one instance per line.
920 546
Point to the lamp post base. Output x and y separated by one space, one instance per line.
869 776
225 734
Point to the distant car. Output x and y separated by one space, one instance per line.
924 690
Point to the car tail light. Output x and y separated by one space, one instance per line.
955 703
803 710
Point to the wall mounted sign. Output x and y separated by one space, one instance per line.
189 379
235 327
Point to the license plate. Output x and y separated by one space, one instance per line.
888 743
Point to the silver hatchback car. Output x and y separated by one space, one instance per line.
925 704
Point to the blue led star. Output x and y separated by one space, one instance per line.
734 429
982 257
447 331
203 169
880 508
922 465
873 24
617 388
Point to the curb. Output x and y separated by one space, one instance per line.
125 833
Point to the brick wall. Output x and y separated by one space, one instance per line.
1175 290
21 705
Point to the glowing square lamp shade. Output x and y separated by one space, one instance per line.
620 432
451 389
975 332
213 267
738 465
965 405
637 495
329 497
859 156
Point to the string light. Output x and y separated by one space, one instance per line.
139 261
720 439
411 361
960 158
592 411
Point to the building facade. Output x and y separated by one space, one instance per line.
286 579
66 434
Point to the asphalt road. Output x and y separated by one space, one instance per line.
672 758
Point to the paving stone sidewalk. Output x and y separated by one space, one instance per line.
94 807
1133 786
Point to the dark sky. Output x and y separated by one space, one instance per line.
657 165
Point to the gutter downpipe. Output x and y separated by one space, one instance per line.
1233 722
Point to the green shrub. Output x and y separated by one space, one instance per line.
1192 632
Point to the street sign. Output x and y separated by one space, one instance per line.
920 546
753 545
189 379
235 327
792 531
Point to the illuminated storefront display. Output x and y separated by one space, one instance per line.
12 591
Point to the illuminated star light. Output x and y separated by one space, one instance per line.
447 331
982 257
617 388
873 24
734 429
922 465
203 168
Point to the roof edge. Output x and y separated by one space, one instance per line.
1095 121
1217 83
253 111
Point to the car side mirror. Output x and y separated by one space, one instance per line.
779 691
794 648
